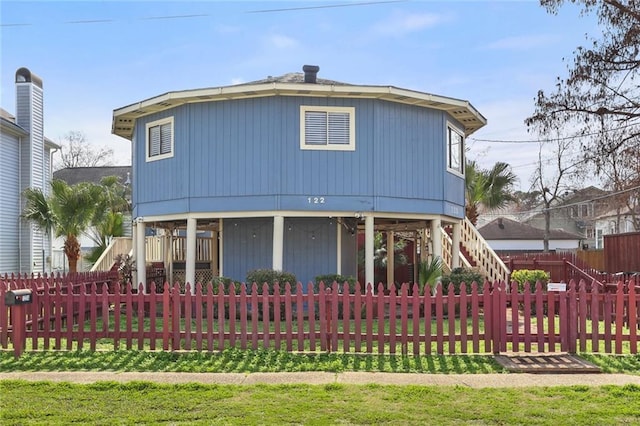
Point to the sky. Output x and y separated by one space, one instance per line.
94 57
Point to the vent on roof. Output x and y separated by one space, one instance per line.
310 73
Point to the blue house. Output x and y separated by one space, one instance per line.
25 162
284 173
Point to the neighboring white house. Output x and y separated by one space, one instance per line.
25 162
508 236
615 222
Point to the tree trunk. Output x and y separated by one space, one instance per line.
471 211
547 229
72 251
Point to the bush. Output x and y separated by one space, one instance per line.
270 276
227 283
531 276
328 280
459 276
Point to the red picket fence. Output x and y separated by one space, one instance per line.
480 319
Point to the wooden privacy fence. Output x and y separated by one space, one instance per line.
480 319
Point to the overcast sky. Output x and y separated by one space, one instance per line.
95 57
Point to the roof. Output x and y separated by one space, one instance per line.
506 229
293 84
74 175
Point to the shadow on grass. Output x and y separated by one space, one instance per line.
245 361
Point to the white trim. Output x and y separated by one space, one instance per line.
351 146
167 120
456 129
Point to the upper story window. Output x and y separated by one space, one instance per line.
455 150
159 139
328 128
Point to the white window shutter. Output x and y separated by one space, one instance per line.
154 141
315 128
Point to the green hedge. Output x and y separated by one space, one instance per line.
328 280
459 276
531 276
270 276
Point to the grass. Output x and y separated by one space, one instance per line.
267 360
244 361
105 403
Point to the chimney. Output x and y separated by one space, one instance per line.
310 72
500 223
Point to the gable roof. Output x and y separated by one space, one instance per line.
293 84
506 229
74 175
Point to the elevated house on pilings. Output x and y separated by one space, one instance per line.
284 173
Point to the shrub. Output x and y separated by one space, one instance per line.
270 276
227 284
328 280
459 276
531 276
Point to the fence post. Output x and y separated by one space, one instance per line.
328 313
19 323
573 319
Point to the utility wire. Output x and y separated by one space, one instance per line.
552 139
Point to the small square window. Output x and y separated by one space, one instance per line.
159 139
455 150
327 128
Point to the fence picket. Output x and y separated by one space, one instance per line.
68 312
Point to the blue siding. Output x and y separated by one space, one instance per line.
245 155
9 203
247 245
309 247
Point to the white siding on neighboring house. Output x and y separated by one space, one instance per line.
9 202
532 245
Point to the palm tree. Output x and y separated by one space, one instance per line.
489 188
67 212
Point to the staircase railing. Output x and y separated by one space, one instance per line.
118 245
447 253
487 260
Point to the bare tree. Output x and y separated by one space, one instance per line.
553 177
601 88
76 151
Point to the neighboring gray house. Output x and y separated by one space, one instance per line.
25 162
576 213
282 173
507 236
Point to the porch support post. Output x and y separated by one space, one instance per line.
390 259
436 238
338 248
456 238
220 248
214 254
369 236
190 261
166 258
278 242
141 258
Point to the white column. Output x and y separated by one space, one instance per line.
436 238
369 276
278 243
455 244
220 247
190 261
141 255
166 258
338 248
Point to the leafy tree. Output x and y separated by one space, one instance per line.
601 93
77 152
67 212
489 188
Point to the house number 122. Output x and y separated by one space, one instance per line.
315 200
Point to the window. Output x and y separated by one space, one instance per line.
159 138
455 150
328 128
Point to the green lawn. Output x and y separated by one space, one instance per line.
146 403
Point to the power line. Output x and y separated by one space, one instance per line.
205 15
552 139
